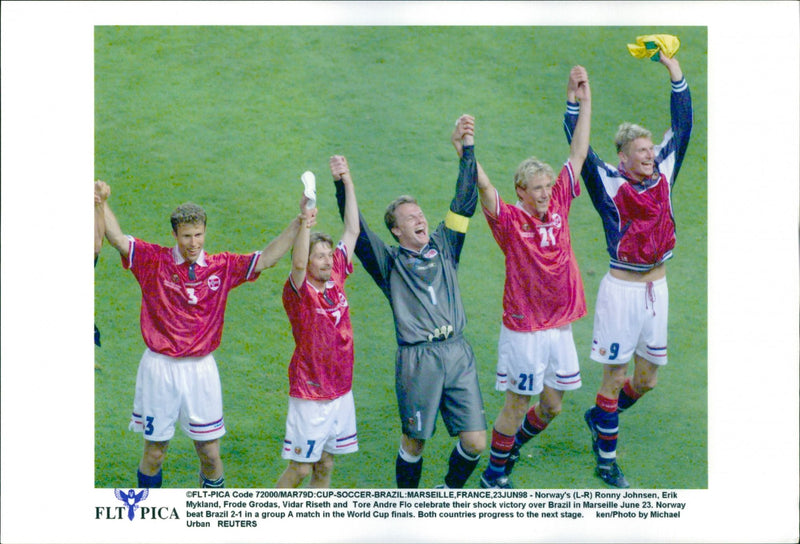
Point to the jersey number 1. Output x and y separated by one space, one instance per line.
432 293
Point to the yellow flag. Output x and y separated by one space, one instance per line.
652 45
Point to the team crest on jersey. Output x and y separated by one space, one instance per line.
431 253
214 282
297 450
555 222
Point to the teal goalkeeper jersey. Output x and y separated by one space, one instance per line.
422 288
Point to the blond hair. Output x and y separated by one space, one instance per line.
529 169
627 133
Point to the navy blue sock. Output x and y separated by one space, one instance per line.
606 420
627 396
498 457
532 425
408 470
215 484
461 466
148 481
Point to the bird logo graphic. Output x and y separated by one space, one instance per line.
131 499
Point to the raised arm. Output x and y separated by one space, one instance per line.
464 134
114 233
101 193
593 165
341 172
278 247
369 248
673 66
578 89
300 248
466 198
681 115
486 191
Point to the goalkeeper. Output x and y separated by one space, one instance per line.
435 368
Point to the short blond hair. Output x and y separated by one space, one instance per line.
529 169
627 133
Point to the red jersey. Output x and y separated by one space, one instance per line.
637 216
543 287
322 364
180 317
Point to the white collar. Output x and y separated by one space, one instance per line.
328 285
201 259
522 207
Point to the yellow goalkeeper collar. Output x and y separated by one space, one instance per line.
653 44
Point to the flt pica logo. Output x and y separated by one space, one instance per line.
131 499
131 508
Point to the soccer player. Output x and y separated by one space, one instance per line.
634 201
435 369
321 420
184 293
543 292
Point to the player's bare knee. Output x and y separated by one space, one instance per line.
412 446
550 411
612 384
209 454
645 385
301 469
474 443
154 454
324 466
515 411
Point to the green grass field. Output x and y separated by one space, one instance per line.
229 117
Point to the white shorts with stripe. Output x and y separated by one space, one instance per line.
630 317
527 361
314 426
170 390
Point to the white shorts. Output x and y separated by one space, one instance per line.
170 389
527 361
630 317
316 425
